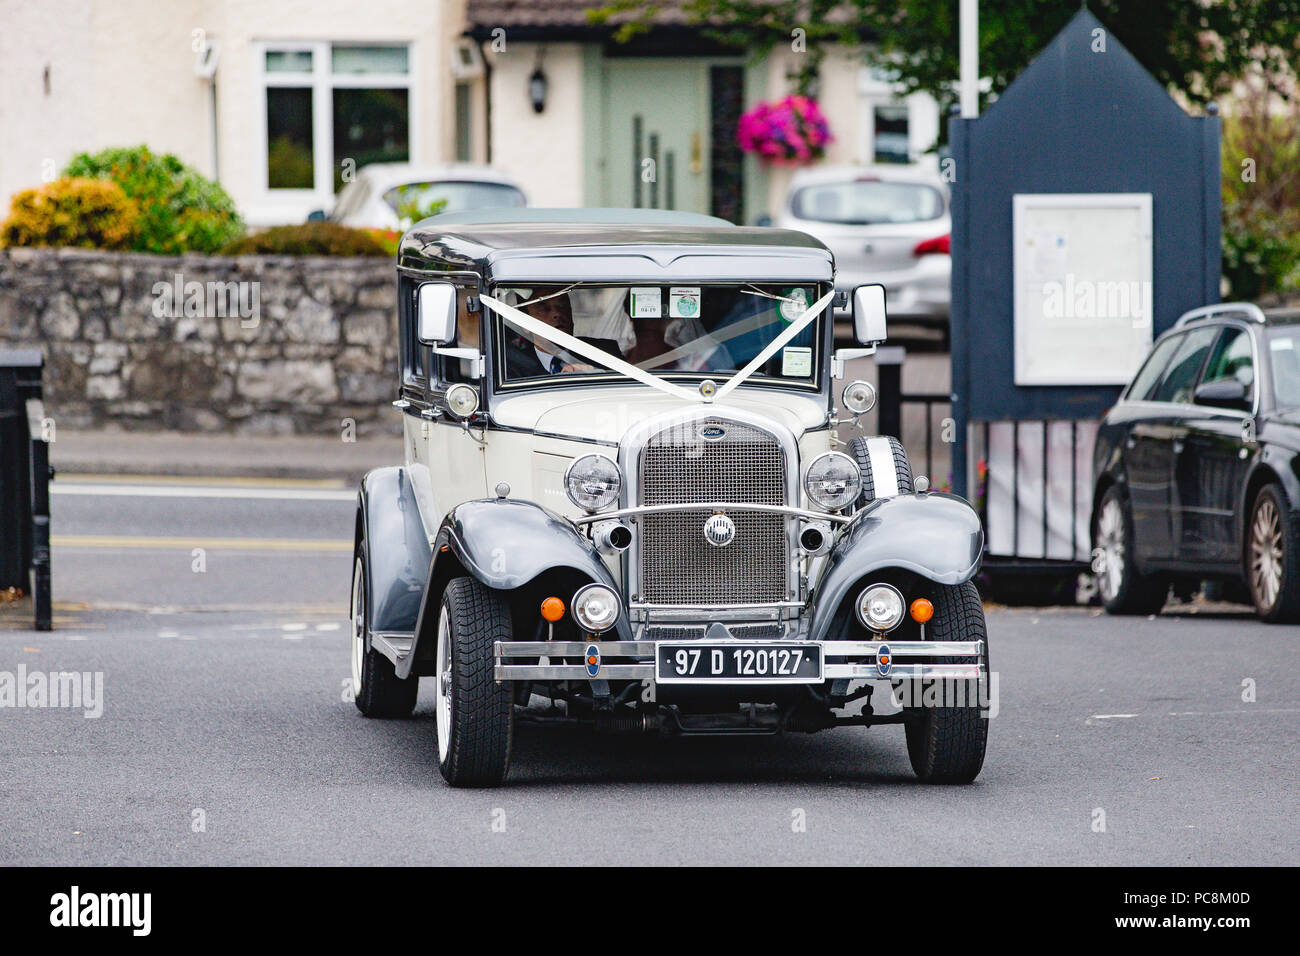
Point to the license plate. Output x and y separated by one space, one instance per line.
700 663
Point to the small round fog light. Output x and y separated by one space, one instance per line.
595 608
859 397
462 400
880 607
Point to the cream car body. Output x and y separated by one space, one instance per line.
680 544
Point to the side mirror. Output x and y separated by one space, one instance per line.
1225 393
869 314
436 313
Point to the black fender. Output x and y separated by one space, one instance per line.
504 543
937 536
397 549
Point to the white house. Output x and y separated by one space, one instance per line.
280 100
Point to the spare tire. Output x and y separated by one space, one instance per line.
884 466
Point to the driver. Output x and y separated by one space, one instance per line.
532 355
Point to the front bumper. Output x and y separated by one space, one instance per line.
851 660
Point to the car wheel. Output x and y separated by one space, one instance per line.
946 744
881 486
1123 589
475 713
376 688
1273 557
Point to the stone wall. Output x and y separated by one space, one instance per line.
252 344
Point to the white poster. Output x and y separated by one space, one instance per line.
1083 292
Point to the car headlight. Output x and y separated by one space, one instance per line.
833 480
880 607
595 608
462 400
593 482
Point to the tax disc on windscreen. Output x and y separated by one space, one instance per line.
645 302
683 302
794 304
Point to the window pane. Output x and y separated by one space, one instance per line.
417 200
1179 381
1233 359
370 126
288 61
289 157
1145 381
1284 358
868 202
891 135
464 112
369 59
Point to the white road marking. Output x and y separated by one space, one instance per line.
198 491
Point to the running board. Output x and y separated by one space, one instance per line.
395 645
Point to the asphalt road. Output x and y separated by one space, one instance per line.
225 737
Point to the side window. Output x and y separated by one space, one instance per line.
1233 359
467 337
412 353
1149 375
1179 381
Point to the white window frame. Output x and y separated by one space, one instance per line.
322 82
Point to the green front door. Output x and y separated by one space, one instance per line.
655 132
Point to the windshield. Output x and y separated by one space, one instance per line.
1284 362
455 196
868 202
708 331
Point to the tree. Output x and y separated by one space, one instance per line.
1200 48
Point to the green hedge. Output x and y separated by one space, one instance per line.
308 239
180 210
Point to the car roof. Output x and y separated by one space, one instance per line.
591 244
1241 312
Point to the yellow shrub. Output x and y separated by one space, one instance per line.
88 213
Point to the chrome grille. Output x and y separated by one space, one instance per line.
676 564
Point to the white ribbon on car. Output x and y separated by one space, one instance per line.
601 357
779 342
586 350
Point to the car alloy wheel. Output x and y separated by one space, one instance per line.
358 625
443 685
1266 556
1110 539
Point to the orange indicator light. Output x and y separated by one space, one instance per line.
922 610
552 609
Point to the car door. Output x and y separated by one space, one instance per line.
455 448
1212 459
1149 447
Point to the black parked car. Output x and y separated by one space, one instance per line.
1196 469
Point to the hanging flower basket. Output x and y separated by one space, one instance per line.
788 132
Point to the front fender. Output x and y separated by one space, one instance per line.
505 544
937 536
397 549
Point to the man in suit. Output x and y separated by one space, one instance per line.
530 356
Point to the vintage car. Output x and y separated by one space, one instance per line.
624 504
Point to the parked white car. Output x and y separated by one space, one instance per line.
381 193
885 224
